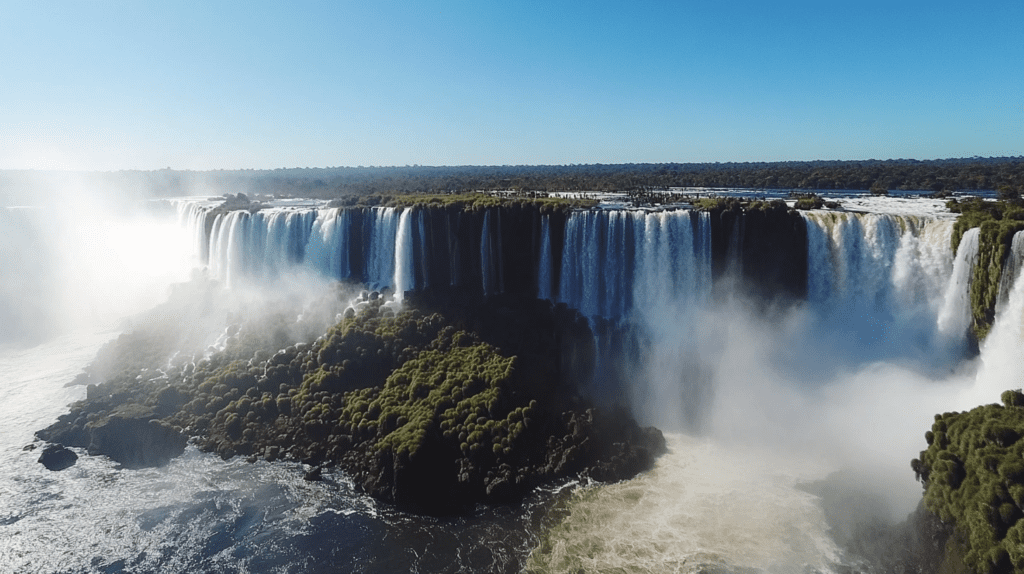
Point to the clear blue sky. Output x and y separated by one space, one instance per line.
206 85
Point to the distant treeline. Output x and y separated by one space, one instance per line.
332 182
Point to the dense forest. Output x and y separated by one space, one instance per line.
901 174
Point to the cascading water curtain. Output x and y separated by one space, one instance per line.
380 260
405 265
1011 269
885 279
328 248
616 260
192 216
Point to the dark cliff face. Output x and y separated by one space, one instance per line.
766 248
775 253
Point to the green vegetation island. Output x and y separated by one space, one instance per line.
433 408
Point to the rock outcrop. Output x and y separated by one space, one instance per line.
56 457
431 411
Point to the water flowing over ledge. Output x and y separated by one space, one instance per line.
613 263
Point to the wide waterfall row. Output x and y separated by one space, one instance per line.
603 262
396 248
192 216
880 274
614 261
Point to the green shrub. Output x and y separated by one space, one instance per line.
458 383
973 473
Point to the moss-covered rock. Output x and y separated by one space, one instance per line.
973 474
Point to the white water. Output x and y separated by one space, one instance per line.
702 506
884 286
405 265
1014 264
616 261
1002 354
196 514
955 318
328 250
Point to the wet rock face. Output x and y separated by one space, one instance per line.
134 437
56 457
129 433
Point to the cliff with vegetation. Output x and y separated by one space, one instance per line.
998 222
973 474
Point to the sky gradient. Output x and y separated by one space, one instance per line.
94 85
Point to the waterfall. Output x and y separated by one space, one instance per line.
285 234
277 248
667 264
610 289
544 286
922 262
879 278
582 258
883 279
614 261
490 253
192 216
1002 360
955 316
231 243
1011 269
590 272
568 290
405 266
328 248
820 262
380 260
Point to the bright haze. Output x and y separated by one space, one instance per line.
233 85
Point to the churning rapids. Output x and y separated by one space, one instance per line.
757 399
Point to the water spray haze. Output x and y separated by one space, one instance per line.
81 258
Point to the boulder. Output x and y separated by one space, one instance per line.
56 457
